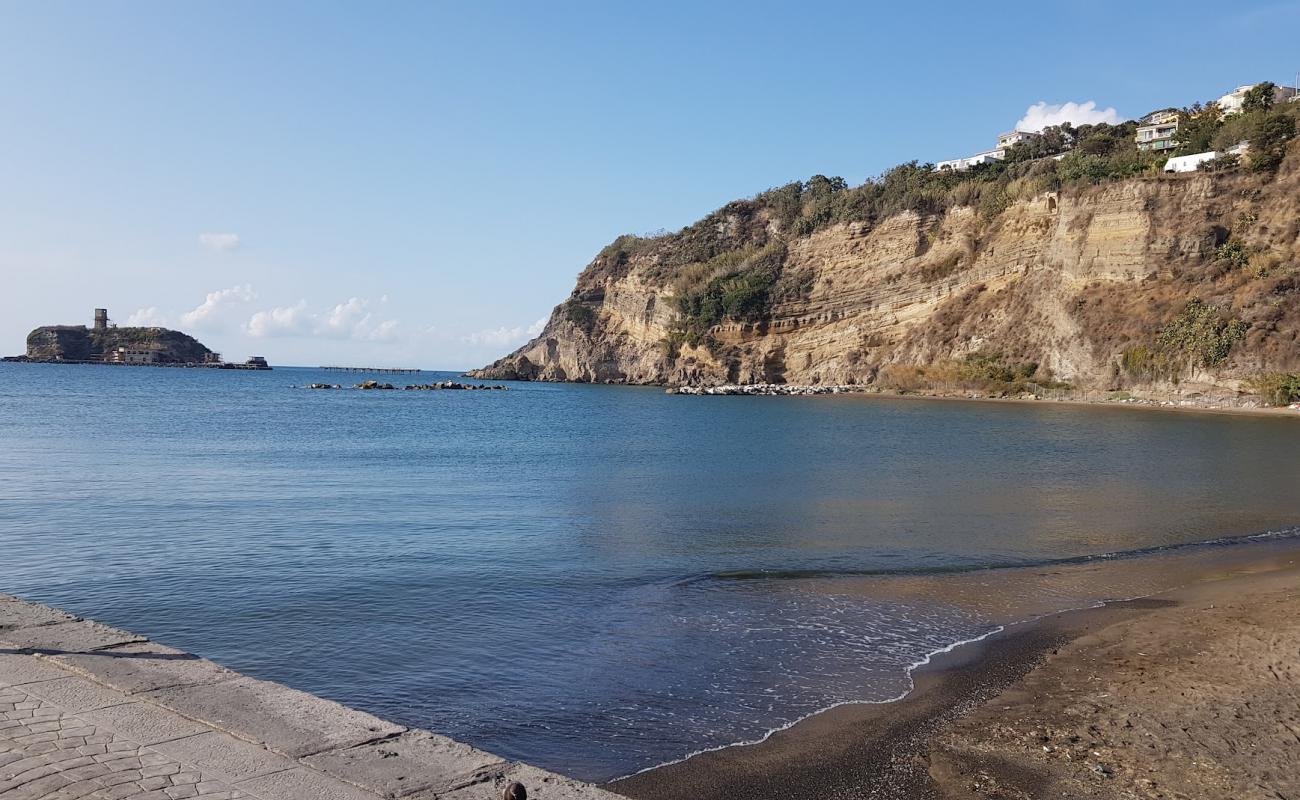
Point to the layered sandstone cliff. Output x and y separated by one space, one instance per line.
1087 285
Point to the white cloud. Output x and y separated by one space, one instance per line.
219 242
1043 115
344 317
215 308
383 331
281 321
149 317
506 337
355 320
352 319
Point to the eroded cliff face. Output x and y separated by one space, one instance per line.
1070 280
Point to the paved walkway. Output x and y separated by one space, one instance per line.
88 711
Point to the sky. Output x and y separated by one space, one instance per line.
418 184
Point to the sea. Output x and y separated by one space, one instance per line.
600 579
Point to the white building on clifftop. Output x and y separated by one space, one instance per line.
1232 102
959 164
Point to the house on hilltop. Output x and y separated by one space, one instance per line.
1005 141
1157 130
1232 102
959 164
1013 138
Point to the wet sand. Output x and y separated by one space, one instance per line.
1193 693
1154 404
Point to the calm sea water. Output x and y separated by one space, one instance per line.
595 579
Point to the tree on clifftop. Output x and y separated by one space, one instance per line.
1259 97
1268 145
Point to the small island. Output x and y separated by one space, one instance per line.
106 343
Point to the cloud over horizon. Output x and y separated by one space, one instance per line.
220 309
356 318
505 336
219 242
213 310
353 319
1044 115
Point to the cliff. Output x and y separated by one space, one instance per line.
150 345
1155 282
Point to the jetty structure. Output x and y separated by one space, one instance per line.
88 710
106 343
382 370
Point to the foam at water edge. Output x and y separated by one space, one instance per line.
911 669
912 685
1284 533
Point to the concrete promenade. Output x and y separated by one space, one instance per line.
90 711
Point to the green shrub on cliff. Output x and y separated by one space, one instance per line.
994 368
1277 388
1233 253
990 372
1202 334
1143 363
580 314
742 297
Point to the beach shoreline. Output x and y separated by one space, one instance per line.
1148 404
974 723
1139 404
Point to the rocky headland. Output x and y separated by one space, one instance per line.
81 343
1168 286
106 343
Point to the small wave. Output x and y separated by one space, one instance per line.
910 671
950 569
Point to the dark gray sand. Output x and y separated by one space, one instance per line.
1002 718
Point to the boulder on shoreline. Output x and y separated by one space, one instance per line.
763 389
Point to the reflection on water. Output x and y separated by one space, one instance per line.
1001 596
531 570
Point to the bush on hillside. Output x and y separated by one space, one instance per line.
1202 335
1277 388
580 314
730 265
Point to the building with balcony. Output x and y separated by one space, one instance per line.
1158 131
1013 138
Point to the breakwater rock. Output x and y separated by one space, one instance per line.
454 385
450 385
763 389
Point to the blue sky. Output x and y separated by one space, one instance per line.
417 184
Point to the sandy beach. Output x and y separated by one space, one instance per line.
1194 693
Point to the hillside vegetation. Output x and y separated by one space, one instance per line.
1074 263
